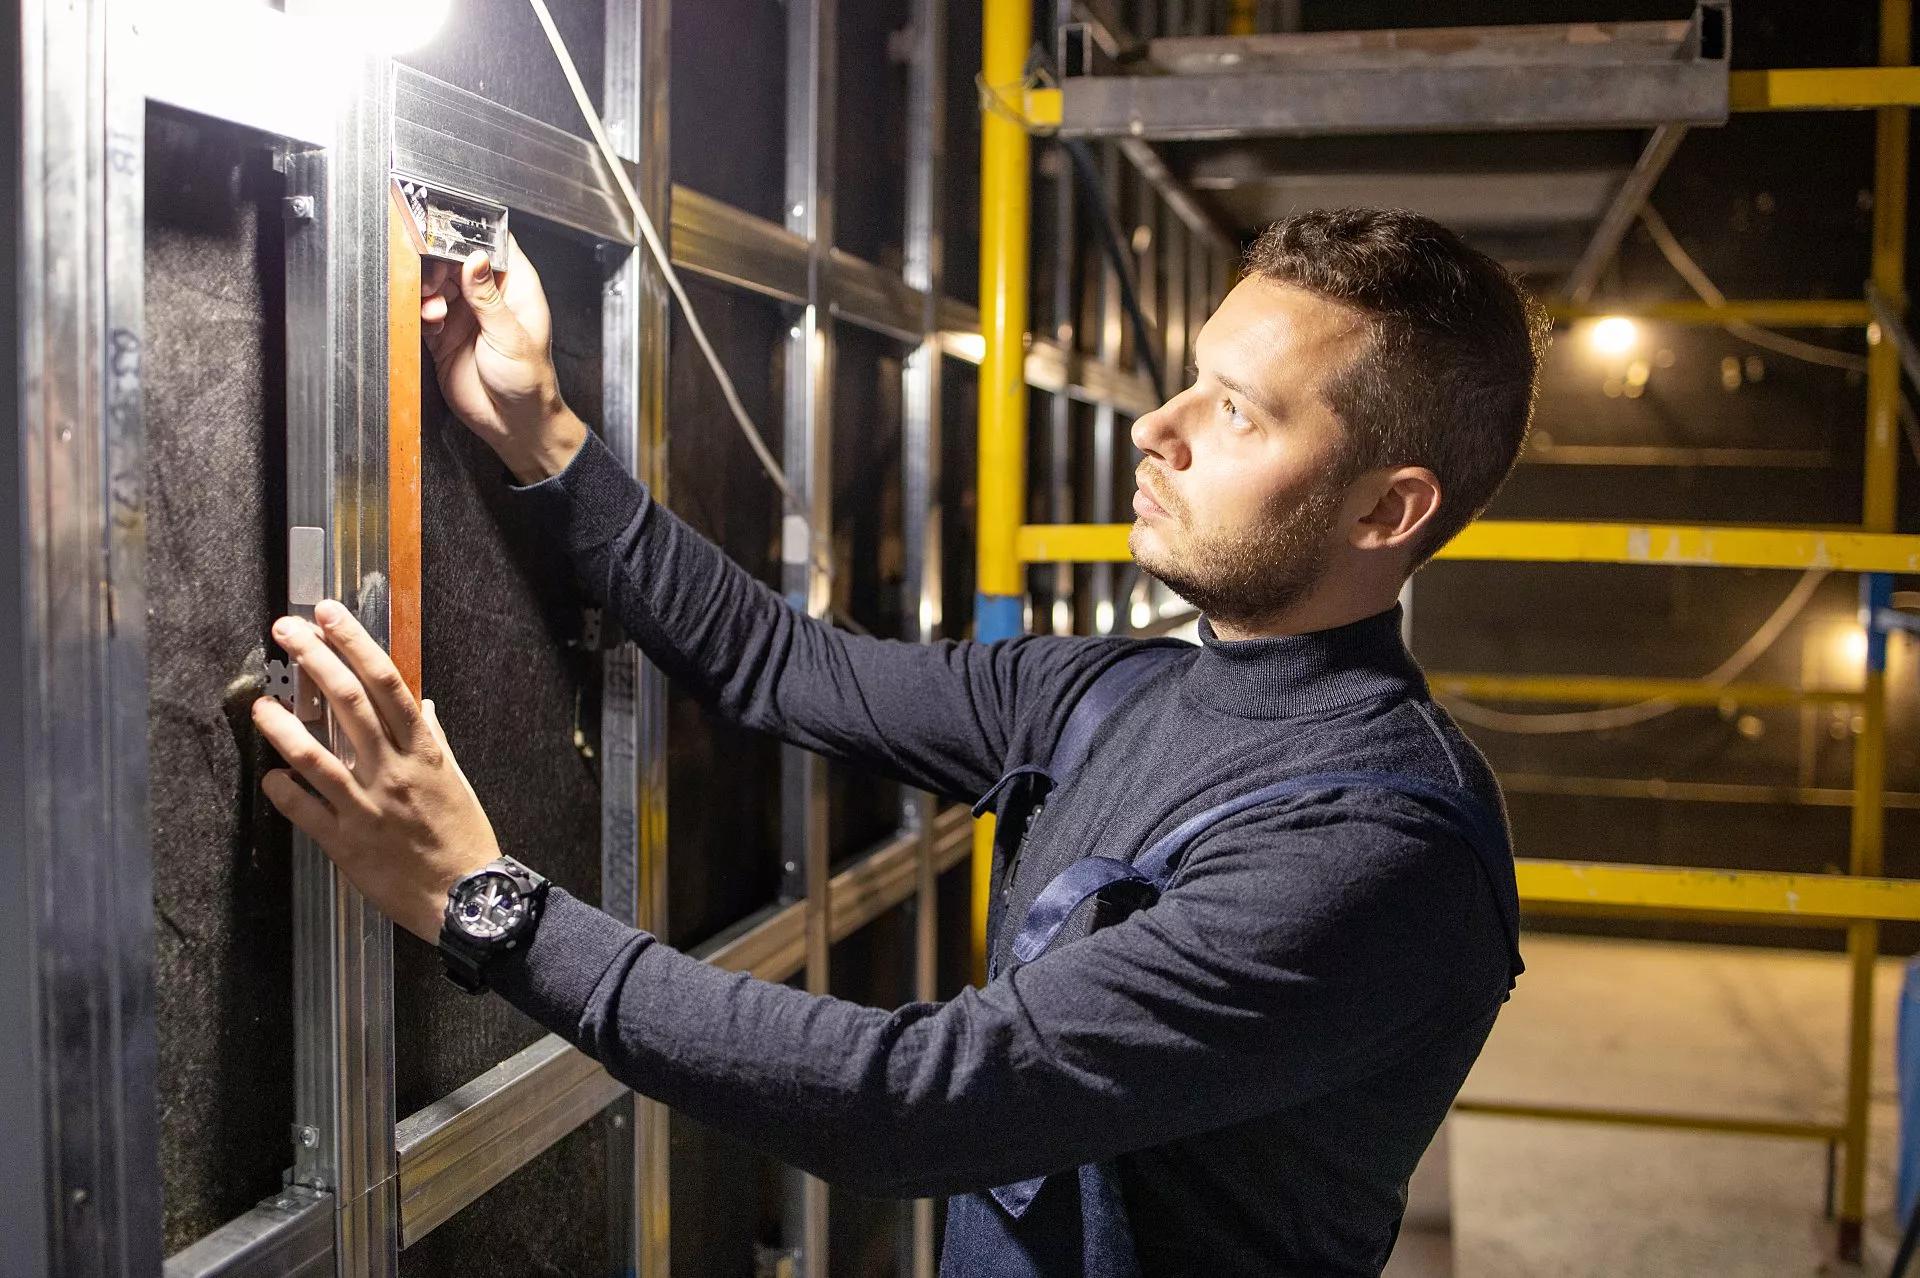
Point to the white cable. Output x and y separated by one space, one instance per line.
651 237
1640 712
1765 338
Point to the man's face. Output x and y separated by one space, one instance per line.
1245 472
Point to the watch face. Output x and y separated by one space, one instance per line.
488 906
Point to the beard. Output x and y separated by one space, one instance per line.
1251 576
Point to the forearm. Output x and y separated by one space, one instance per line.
939 716
916 1102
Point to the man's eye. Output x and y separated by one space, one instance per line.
1233 412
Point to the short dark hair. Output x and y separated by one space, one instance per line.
1447 380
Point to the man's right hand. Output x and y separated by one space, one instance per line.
490 336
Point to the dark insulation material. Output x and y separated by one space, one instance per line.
873 966
870 137
546 1221
496 48
728 114
723 791
213 383
723 802
499 611
869 551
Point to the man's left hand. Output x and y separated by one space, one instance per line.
401 821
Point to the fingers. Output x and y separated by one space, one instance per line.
353 709
480 287
299 806
313 761
387 690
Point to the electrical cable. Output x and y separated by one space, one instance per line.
1726 672
651 237
1689 270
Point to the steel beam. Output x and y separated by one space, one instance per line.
1418 81
1517 541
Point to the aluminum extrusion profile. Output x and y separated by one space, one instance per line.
337 407
920 484
290 1235
635 309
82 1132
808 441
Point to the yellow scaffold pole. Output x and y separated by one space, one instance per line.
1868 837
1005 178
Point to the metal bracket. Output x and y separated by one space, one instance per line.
450 225
290 688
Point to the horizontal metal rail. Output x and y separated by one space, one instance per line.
288 1236
1774 312
1782 1128
1824 89
1740 895
1615 688
1658 788
464 1144
1526 541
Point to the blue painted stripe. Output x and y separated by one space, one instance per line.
997 616
1876 593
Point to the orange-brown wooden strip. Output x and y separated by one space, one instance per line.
403 446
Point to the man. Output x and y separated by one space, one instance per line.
1236 1077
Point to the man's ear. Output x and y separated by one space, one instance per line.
1396 506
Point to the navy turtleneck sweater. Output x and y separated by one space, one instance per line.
1264 1053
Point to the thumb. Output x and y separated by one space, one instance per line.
480 286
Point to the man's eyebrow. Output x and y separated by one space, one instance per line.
1259 401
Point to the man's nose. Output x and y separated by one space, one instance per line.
1162 434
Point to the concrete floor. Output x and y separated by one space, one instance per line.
1697 1028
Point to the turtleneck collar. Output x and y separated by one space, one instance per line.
1291 676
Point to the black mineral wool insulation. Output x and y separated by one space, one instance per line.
213 382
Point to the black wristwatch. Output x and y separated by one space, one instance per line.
490 912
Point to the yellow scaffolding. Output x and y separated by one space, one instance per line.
1856 901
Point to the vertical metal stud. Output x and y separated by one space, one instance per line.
633 835
1065 249
81 1181
809 453
337 480
1108 608
920 455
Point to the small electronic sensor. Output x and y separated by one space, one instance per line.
450 225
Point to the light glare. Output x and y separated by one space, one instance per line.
379 26
1614 335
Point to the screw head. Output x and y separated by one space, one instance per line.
300 207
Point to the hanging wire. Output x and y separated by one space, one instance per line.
1689 270
651 237
1726 672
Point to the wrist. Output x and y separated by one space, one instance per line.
549 447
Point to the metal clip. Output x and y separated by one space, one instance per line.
287 685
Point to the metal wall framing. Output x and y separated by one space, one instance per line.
365 1182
